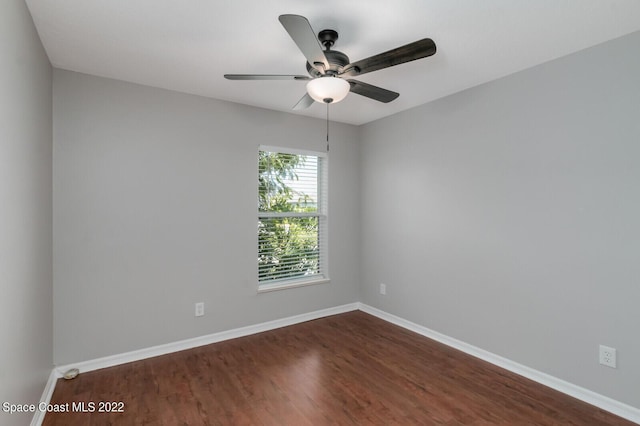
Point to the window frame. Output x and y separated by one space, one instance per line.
321 214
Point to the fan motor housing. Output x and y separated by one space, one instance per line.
337 60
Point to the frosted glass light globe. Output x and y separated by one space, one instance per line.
328 89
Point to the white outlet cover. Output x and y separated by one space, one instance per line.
608 356
199 309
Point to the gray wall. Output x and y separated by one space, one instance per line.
25 211
155 203
507 216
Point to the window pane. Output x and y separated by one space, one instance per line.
292 203
287 182
288 248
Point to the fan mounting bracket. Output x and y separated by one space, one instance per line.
328 38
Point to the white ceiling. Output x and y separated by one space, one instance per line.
188 45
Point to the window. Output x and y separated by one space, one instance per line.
292 218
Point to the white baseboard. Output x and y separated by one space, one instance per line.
38 416
110 361
618 408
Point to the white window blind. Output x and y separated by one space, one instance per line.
292 218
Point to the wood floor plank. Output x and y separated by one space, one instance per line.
350 368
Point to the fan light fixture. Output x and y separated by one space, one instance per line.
328 89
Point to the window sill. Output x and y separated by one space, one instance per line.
265 288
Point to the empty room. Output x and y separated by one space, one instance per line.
308 213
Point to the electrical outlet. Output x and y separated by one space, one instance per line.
608 356
199 309
383 289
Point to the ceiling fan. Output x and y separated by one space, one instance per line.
330 70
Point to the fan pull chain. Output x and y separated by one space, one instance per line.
327 126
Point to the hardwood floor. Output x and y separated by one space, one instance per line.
351 368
